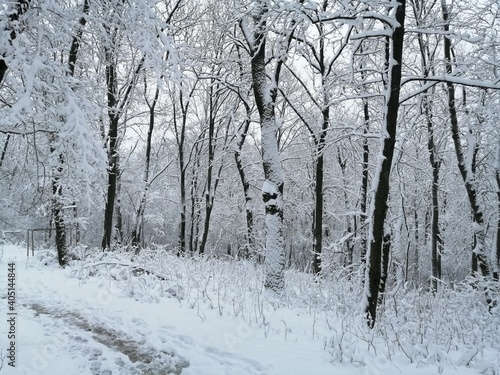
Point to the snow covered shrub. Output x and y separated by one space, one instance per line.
450 327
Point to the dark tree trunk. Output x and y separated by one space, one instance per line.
180 135
112 165
249 247
58 211
115 108
348 245
318 190
113 116
382 182
320 143
386 248
364 182
118 237
435 232
4 149
209 192
195 209
467 172
136 235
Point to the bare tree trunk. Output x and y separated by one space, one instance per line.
58 209
209 191
115 109
348 244
265 93
382 180
118 221
180 136
364 182
249 246
435 231
112 153
318 189
195 209
468 176
136 234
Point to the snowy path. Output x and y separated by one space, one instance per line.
68 327
65 330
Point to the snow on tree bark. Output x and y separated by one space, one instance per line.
265 92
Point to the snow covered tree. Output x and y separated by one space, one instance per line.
265 87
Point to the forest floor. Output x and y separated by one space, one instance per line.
105 316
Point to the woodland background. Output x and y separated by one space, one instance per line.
319 135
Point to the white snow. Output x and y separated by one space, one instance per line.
102 316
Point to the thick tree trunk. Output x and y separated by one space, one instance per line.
320 143
112 175
468 176
382 180
113 116
115 108
265 93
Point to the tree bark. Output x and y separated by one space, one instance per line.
136 234
468 176
115 109
58 209
435 231
112 150
265 93
209 192
249 246
4 149
364 182
382 180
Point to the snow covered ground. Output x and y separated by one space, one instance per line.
158 314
